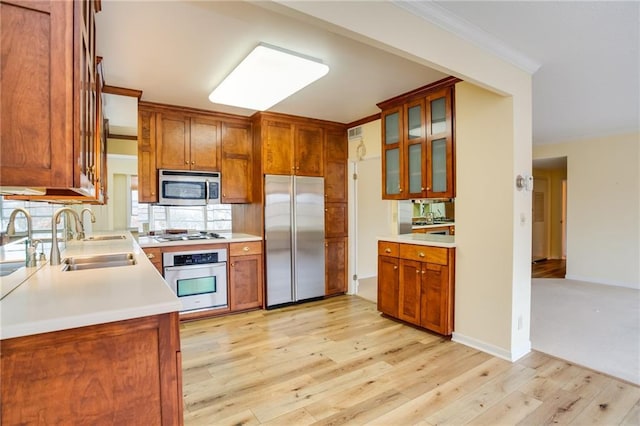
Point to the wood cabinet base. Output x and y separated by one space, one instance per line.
125 372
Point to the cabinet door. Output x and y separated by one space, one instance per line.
278 148
335 166
309 147
147 175
173 134
416 158
392 161
335 254
435 307
204 146
237 163
409 294
440 164
154 254
245 282
336 221
388 279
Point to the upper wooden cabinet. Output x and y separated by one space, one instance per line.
187 142
418 143
291 145
49 104
179 138
237 163
335 165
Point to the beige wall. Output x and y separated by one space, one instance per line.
115 211
603 213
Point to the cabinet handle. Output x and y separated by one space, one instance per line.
245 248
421 254
186 163
400 189
387 250
424 272
326 210
232 265
417 271
150 256
193 162
395 267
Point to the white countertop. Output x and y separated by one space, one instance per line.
422 239
435 225
51 300
235 237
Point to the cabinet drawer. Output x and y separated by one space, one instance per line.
247 248
437 255
386 248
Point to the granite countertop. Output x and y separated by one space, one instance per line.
47 299
422 239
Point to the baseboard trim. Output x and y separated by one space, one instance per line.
511 356
635 286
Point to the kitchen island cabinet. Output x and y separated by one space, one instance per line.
124 372
416 281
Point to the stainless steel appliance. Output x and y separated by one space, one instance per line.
199 278
188 188
294 238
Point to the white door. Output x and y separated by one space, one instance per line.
539 226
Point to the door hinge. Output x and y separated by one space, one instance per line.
355 277
355 176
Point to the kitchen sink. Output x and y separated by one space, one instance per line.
98 261
104 238
7 268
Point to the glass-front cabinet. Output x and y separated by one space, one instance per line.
392 163
418 143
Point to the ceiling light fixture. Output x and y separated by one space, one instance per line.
266 76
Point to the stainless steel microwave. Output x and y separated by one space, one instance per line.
188 188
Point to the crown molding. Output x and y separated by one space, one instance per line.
452 23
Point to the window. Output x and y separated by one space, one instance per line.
40 212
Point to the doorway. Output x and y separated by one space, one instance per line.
549 218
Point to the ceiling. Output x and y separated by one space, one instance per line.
584 57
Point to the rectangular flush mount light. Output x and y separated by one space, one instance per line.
266 76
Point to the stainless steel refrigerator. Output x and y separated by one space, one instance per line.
294 238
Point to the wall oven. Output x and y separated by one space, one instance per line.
188 188
199 278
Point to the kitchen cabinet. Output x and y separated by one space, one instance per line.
57 152
418 143
181 138
237 163
335 165
154 254
124 372
335 257
388 278
425 284
245 276
450 229
291 145
336 220
187 142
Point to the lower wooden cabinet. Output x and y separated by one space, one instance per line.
335 260
124 372
416 284
154 254
245 276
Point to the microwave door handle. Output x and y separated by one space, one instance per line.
206 191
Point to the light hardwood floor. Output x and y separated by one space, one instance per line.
549 268
337 361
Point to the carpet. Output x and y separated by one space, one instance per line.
592 325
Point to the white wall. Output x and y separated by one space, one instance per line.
603 212
115 208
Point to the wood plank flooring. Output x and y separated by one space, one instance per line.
337 361
549 268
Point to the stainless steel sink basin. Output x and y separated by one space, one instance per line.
7 268
104 238
98 261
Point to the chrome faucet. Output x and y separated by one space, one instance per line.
55 251
91 215
30 255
